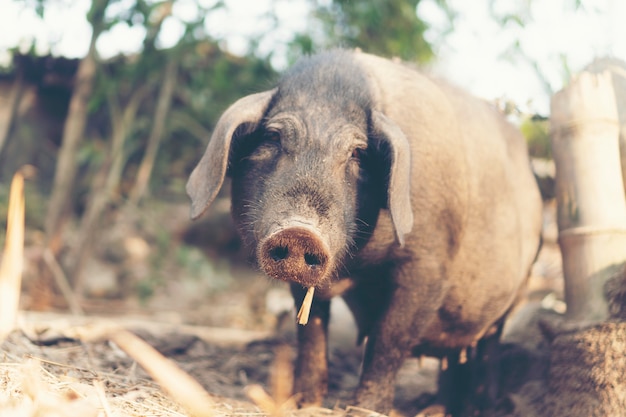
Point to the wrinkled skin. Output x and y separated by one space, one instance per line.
366 179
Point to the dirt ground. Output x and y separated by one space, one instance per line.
225 362
227 341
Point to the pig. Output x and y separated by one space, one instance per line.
367 179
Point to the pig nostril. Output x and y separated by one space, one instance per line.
295 254
312 260
279 253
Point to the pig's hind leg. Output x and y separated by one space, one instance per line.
454 382
469 379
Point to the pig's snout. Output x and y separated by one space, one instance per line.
294 254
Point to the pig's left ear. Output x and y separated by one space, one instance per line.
241 118
399 191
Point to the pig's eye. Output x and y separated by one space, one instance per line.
358 154
272 135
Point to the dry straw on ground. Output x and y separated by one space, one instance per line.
79 379
36 387
305 309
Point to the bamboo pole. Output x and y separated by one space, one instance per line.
617 68
591 208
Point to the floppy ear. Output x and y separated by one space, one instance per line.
207 177
399 188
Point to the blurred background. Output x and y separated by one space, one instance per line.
113 102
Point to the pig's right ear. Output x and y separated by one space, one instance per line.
241 118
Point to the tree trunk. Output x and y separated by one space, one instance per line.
590 198
7 119
104 185
73 132
160 115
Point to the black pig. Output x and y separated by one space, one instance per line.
363 178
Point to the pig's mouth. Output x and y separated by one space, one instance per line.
295 254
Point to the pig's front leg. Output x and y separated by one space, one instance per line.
380 366
391 341
311 372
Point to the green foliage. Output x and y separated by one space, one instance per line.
536 130
96 13
186 264
367 25
519 15
39 6
566 70
390 28
145 289
209 80
198 266
34 206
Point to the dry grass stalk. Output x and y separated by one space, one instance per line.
36 388
34 393
463 356
102 396
352 411
13 258
263 400
435 410
281 401
305 309
182 387
62 282
282 375
444 364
